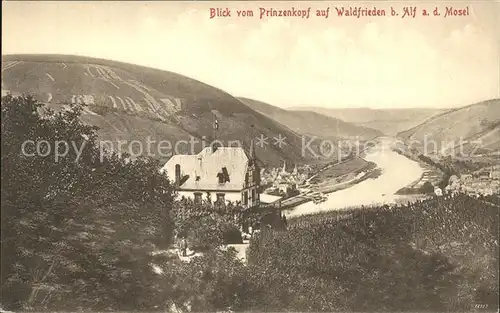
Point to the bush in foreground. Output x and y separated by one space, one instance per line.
75 230
439 254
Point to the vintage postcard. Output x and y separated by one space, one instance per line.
250 156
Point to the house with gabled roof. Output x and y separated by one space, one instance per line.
228 173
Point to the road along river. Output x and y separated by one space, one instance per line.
397 172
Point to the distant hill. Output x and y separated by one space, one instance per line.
476 125
388 121
130 102
312 123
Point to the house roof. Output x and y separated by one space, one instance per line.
207 165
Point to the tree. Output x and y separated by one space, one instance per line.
77 230
427 188
215 281
205 225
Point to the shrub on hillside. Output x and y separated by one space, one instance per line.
439 254
213 282
231 235
206 226
427 188
75 230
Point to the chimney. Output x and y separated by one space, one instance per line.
177 174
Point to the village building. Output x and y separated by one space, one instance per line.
483 175
466 177
228 173
286 187
288 181
495 172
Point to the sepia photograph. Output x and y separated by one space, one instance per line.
250 156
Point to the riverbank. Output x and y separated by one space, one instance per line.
396 172
304 198
332 178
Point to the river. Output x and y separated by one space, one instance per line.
397 172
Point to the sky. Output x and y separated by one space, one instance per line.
335 62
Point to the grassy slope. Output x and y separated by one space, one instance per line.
351 166
476 124
312 123
159 104
437 255
388 121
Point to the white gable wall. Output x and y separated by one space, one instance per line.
204 167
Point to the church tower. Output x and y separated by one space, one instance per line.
252 177
253 167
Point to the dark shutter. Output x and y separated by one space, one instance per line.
226 174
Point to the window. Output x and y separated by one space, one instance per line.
245 197
226 174
254 198
221 178
257 176
197 197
